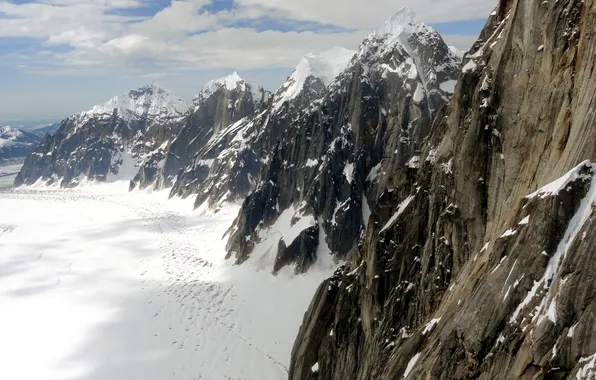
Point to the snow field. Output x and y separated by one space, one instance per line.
98 283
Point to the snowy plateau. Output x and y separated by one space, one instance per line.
99 283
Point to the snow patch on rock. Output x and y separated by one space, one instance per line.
325 66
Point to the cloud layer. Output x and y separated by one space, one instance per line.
132 35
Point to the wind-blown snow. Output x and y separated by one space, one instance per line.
404 22
400 209
120 286
457 52
411 365
547 308
325 66
561 183
405 32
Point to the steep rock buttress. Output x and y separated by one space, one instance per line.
481 263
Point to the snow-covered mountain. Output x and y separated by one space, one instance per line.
106 141
458 204
220 104
477 260
227 166
149 102
15 143
321 177
314 71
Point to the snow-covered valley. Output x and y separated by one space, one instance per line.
98 283
8 172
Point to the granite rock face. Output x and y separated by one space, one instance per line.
325 170
227 163
107 141
222 103
479 263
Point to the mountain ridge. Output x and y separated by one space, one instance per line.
16 143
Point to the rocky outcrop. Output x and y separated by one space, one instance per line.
222 103
325 170
15 143
226 168
107 141
478 264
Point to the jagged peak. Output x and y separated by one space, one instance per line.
7 129
229 82
404 21
326 66
149 100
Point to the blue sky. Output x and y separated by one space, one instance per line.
59 57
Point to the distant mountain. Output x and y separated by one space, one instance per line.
107 141
15 143
48 129
225 165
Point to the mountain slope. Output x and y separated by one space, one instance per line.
106 140
228 165
15 143
479 264
314 189
221 103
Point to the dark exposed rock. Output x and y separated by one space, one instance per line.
227 167
220 105
105 141
327 162
465 270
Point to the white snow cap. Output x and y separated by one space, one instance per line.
457 52
145 101
326 66
404 21
229 82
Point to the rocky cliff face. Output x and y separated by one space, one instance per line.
479 262
321 177
222 103
227 164
15 143
108 140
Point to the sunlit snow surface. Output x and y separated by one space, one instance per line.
98 283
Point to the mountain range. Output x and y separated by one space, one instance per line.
15 143
455 192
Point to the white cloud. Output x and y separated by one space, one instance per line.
100 38
184 35
370 14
